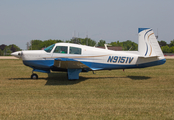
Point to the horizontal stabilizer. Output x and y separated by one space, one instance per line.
146 57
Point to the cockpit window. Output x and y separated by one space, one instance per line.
48 49
61 49
75 50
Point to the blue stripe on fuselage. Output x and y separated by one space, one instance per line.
40 64
47 64
104 66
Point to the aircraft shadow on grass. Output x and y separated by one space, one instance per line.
55 79
61 79
139 77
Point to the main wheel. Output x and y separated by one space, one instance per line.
34 76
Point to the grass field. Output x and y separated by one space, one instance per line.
133 94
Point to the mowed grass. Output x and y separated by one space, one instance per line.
146 93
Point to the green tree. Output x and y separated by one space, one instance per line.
162 43
36 44
39 44
1 52
129 45
172 49
165 49
90 42
83 41
49 42
113 44
7 51
101 43
116 44
171 43
67 41
2 47
75 40
14 48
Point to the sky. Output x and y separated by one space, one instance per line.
111 20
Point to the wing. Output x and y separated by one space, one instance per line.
68 63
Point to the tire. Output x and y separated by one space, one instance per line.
34 76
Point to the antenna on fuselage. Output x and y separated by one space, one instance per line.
130 48
106 46
96 44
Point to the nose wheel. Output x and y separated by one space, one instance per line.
34 76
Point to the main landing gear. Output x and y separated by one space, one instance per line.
34 76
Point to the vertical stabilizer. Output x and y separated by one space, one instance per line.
147 44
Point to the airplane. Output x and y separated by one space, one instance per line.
76 58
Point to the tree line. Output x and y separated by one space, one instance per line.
126 45
7 50
167 48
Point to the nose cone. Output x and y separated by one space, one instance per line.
17 54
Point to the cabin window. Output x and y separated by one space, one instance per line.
48 49
75 50
61 49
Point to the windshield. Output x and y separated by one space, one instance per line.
48 49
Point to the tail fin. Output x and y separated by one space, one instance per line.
148 45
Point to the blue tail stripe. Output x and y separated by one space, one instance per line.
146 49
141 29
146 33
